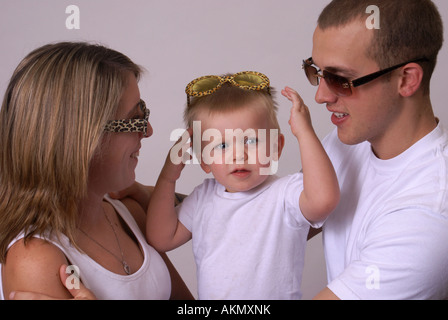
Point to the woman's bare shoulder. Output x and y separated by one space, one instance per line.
34 267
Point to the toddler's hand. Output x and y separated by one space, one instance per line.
177 157
300 119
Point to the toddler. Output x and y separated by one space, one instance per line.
249 227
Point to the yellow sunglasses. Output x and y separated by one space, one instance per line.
248 80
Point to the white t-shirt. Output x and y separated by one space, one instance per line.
247 245
388 238
151 281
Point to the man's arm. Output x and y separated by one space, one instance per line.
326 294
142 194
137 192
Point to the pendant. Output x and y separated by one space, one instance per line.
126 268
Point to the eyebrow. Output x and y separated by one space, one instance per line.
345 72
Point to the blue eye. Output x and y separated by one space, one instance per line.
251 141
222 146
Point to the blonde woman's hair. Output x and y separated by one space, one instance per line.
51 123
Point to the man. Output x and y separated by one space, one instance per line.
388 238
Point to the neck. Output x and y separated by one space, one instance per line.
415 121
91 209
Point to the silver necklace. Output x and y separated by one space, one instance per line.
126 267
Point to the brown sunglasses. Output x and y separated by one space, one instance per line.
341 86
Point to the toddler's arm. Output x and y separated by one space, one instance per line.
320 194
163 229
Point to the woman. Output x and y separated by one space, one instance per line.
71 126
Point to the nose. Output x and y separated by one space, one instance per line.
324 94
240 153
149 131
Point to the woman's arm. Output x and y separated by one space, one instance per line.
34 267
77 292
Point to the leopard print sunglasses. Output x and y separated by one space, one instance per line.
130 125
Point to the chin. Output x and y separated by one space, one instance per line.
350 140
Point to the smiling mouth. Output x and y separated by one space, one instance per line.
135 155
340 115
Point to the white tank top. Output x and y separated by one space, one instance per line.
151 281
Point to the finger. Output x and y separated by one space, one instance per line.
185 143
186 158
187 134
190 141
190 135
286 94
293 96
297 101
289 89
187 140
19 295
292 92
73 283
70 279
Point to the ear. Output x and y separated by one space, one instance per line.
411 78
205 167
279 146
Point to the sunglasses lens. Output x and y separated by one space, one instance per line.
339 85
248 79
205 84
311 74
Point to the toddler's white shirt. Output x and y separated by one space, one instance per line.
247 245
